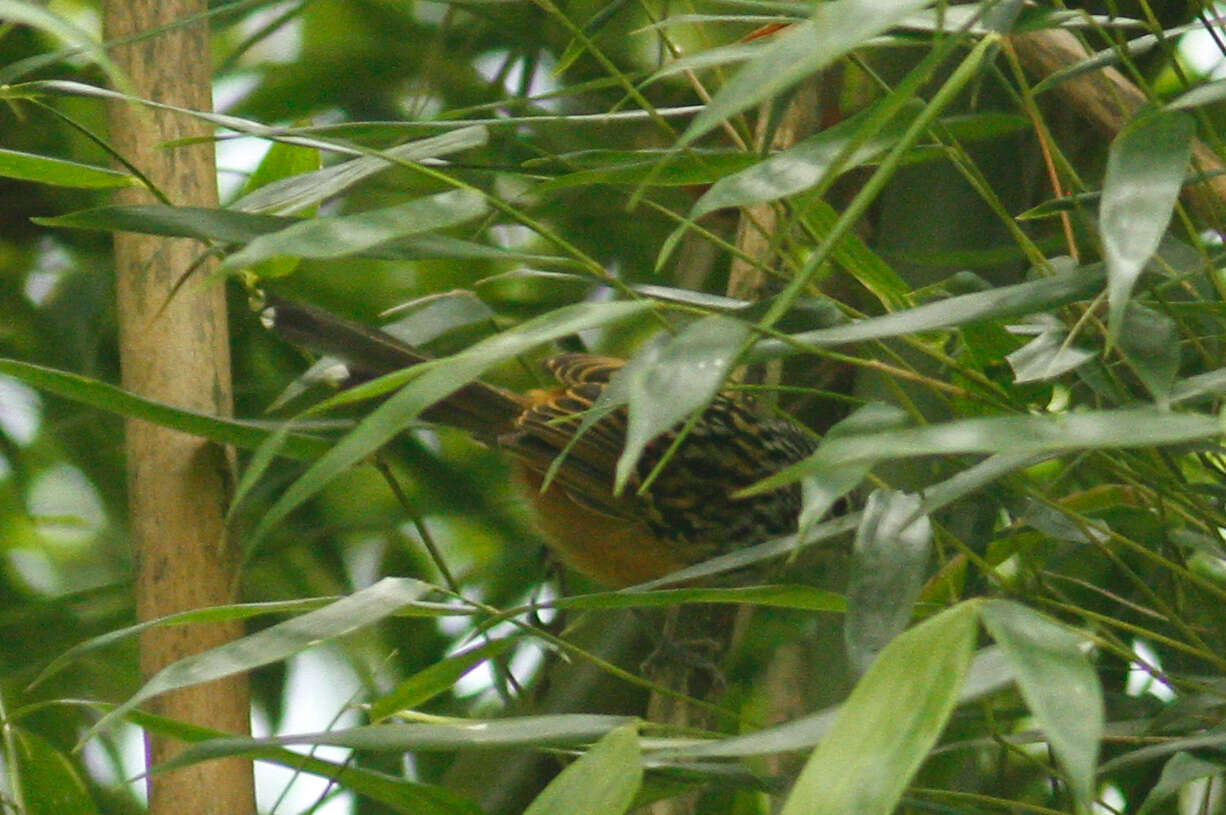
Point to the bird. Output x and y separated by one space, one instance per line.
686 514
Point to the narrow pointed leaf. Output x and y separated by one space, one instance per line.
49 782
63 29
803 165
398 793
1134 427
822 489
603 781
462 734
228 226
241 433
346 235
888 561
1058 683
60 173
891 720
989 672
278 642
801 50
210 614
437 678
1146 165
221 225
1149 340
1182 769
998 303
1207 94
1049 354
673 379
298 192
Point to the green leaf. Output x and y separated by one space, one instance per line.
714 57
998 303
277 642
860 262
822 489
433 382
35 16
560 730
241 433
303 190
1182 769
805 164
891 720
533 288
49 783
1214 740
603 781
1145 169
1049 355
211 614
222 225
689 368
1058 683
1204 384
888 561
1207 94
1134 427
282 161
808 164
1149 340
644 167
806 598
805 48
346 235
936 497
426 318
400 794
60 173
988 674
227 226
435 679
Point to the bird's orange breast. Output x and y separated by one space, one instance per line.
613 551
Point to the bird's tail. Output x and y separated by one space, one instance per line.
484 410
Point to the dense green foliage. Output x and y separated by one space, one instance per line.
1017 603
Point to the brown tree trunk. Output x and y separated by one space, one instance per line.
173 348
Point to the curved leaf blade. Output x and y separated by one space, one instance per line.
1015 435
888 560
835 28
689 369
346 235
1146 164
60 173
603 781
241 433
1058 683
890 722
277 642
303 190
48 782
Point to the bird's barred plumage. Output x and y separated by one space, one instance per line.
686 515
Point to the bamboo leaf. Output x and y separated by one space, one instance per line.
888 561
1058 683
1145 169
803 49
603 781
891 720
